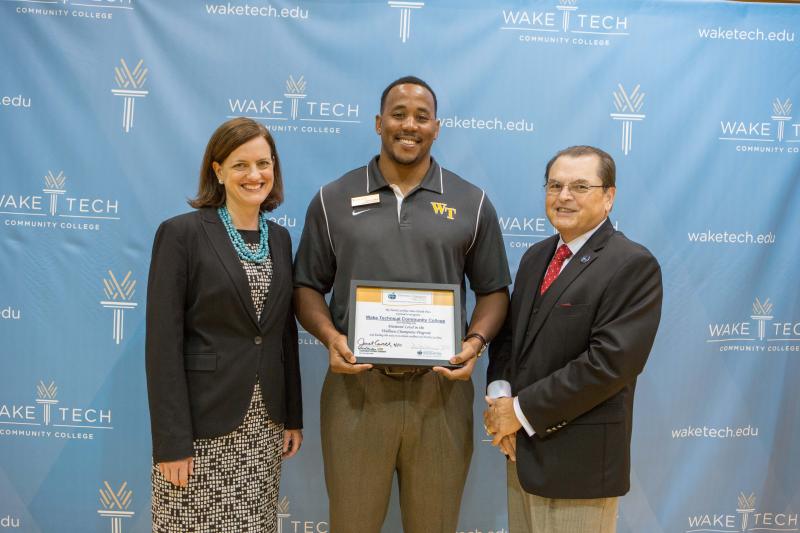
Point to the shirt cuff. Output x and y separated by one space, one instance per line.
521 417
499 388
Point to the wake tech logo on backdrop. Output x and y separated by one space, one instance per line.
48 418
525 231
747 517
762 333
628 110
96 10
405 8
55 208
293 111
565 23
130 83
114 504
119 297
780 134
287 525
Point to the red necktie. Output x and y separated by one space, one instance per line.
554 268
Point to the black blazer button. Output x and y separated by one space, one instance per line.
257 340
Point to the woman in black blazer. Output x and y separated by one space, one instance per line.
223 376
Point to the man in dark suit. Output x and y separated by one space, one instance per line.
562 373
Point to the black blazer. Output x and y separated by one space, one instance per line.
204 345
572 356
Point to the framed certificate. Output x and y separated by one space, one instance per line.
394 323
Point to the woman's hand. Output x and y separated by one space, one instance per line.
292 440
178 472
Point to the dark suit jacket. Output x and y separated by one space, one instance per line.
204 345
572 356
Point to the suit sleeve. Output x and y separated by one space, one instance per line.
622 335
291 365
168 397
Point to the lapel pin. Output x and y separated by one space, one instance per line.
585 258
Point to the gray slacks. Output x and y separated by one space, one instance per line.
529 513
418 425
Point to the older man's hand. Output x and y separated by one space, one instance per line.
508 445
500 419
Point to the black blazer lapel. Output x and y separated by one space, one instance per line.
279 273
585 257
221 243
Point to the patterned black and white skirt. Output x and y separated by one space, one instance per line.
235 482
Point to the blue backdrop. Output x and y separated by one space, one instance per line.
105 109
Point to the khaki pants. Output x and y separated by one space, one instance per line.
528 513
418 425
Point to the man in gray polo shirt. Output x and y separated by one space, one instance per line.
411 221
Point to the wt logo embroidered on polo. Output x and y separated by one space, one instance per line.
440 209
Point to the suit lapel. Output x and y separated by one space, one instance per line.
530 284
221 243
278 273
576 266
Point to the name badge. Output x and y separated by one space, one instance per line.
369 199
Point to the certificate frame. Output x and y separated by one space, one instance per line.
408 359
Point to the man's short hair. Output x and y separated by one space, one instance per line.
413 80
607 170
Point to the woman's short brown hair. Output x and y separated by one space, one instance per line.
229 136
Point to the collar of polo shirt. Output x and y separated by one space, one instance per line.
432 181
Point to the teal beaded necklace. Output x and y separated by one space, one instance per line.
262 252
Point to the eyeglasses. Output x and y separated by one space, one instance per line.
575 188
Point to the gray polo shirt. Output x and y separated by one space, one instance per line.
442 230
